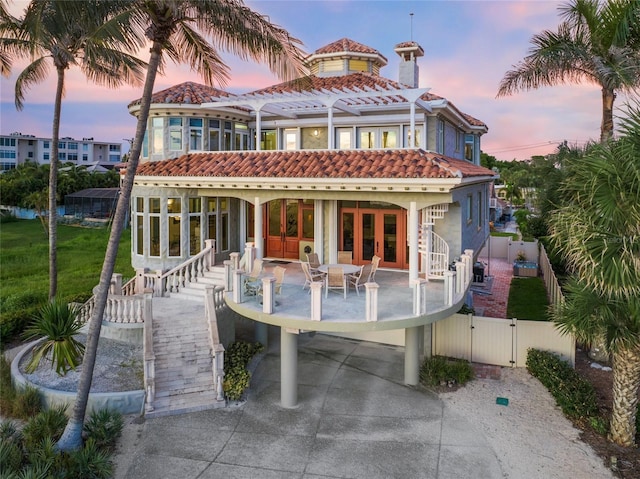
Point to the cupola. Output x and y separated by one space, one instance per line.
343 57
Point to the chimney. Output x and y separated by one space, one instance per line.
409 72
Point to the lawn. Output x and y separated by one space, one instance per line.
528 299
24 275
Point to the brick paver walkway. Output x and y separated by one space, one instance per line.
490 299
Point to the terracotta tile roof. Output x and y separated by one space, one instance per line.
189 93
347 45
329 164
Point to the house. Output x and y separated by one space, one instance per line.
336 167
341 160
17 148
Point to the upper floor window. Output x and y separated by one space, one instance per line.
11 142
85 147
72 146
62 145
114 147
45 144
268 140
175 133
226 146
290 139
195 133
241 136
214 135
440 137
469 147
345 138
458 140
378 137
416 137
157 131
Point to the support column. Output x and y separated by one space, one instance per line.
414 266
257 228
318 226
330 135
333 231
261 334
412 356
288 368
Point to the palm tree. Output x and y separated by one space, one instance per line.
177 28
598 233
598 42
66 33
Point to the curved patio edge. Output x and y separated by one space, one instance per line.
287 320
125 402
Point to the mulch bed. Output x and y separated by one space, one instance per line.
627 459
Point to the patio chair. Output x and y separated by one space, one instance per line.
345 257
278 273
252 282
313 261
375 261
358 279
335 281
309 275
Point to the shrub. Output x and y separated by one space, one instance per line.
236 376
49 423
7 391
58 322
438 370
27 403
10 456
104 427
89 462
574 394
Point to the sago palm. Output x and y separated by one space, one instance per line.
57 324
598 42
193 32
62 34
598 233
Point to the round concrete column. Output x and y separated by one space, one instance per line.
261 333
288 369
412 356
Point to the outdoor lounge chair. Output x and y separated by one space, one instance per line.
335 281
358 279
375 261
252 279
314 262
345 257
309 275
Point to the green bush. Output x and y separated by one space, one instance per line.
49 423
574 394
7 391
438 371
27 403
236 376
104 427
89 462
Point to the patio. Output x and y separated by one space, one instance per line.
395 304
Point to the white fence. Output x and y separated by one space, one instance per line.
505 247
498 341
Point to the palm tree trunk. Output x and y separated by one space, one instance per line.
53 190
606 128
626 382
72 436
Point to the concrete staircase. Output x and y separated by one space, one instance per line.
184 379
195 290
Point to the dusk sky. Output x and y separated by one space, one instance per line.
469 45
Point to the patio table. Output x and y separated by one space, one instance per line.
347 269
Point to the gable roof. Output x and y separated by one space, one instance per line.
328 164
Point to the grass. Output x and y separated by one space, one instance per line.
24 276
514 236
528 299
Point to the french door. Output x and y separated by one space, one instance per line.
282 228
369 232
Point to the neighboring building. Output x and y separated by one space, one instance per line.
343 159
17 148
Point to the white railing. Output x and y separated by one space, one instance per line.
435 250
149 357
214 299
163 284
